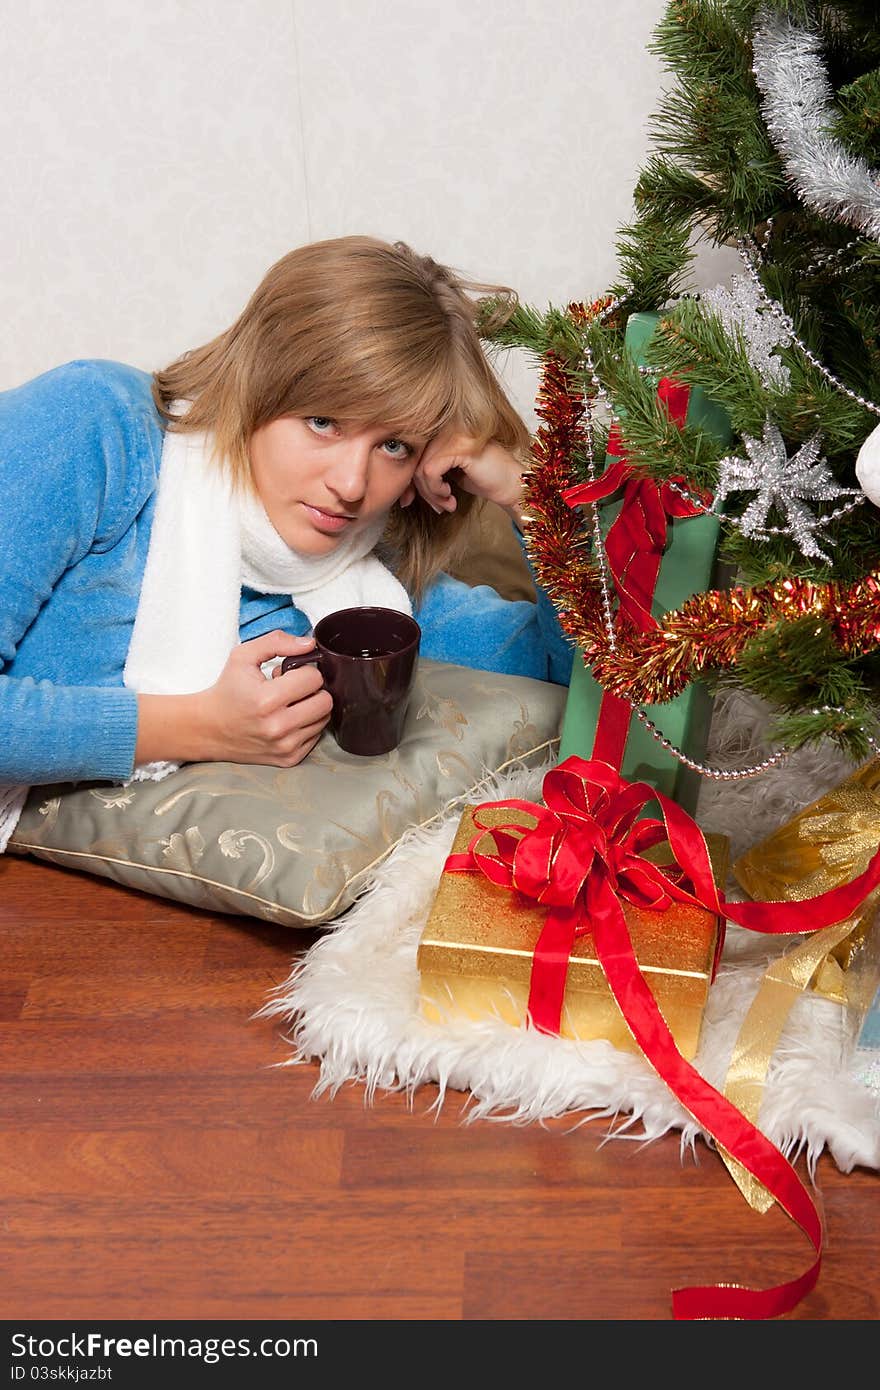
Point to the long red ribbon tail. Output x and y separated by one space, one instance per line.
717 1117
612 729
550 968
615 714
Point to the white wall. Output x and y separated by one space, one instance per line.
160 155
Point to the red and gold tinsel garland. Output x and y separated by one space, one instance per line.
711 629
555 537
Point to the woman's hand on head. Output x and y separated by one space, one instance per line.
242 717
487 470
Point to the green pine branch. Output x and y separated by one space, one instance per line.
798 667
714 173
857 124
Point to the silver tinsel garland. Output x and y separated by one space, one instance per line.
798 110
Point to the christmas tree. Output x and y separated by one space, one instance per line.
768 140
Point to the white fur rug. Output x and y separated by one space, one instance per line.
351 1002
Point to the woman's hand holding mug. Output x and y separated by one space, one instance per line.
249 719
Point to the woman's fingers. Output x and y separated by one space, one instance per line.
254 720
430 476
486 470
258 650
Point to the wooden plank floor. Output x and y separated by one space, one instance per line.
156 1162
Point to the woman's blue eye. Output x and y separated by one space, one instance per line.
319 422
398 448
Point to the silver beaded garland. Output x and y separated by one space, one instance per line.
749 255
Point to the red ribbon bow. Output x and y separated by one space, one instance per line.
581 859
637 538
583 856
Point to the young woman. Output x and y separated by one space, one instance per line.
165 541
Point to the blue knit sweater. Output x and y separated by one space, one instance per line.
80 452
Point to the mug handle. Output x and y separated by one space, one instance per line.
293 663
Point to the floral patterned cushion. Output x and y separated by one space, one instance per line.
297 845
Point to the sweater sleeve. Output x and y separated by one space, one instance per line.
68 484
55 733
475 626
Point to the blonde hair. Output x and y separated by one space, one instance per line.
362 329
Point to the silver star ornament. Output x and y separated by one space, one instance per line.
781 484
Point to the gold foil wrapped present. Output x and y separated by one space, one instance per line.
827 844
475 954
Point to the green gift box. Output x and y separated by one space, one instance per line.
689 566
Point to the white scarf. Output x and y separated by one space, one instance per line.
207 540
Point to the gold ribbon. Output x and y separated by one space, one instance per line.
826 844
782 982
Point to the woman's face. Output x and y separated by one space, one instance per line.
320 479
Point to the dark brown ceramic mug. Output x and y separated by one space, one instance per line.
367 657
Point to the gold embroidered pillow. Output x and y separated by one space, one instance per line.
295 845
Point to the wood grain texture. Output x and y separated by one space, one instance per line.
157 1161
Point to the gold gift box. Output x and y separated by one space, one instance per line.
475 954
827 844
